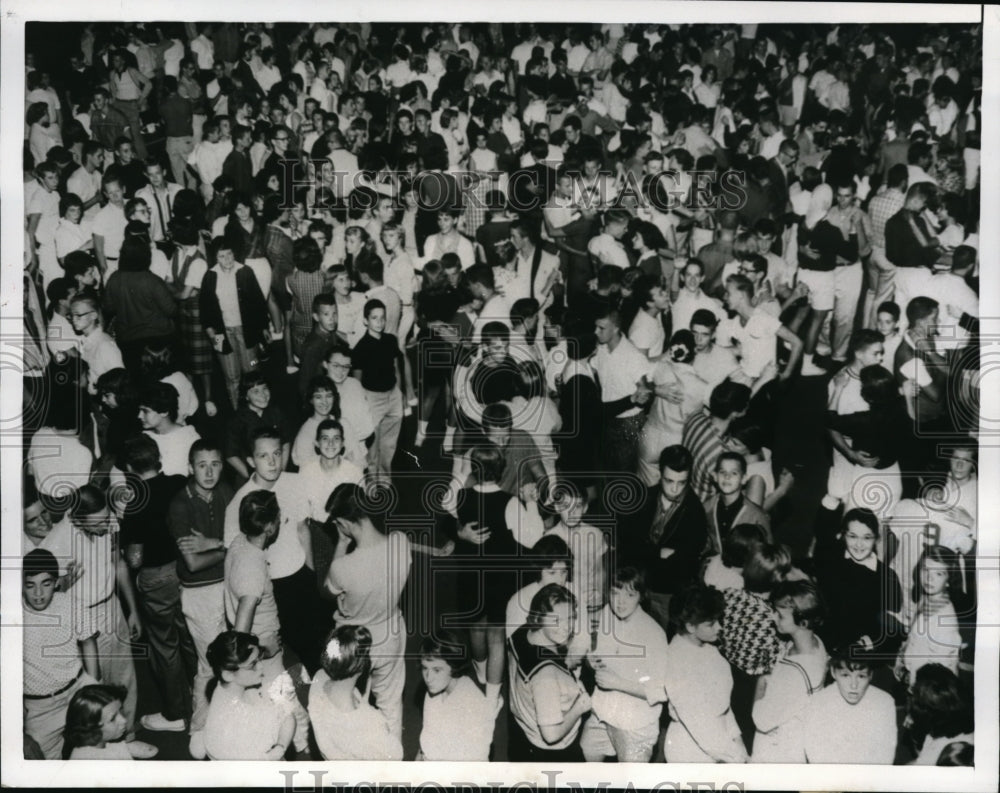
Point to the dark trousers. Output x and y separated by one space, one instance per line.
171 651
521 750
132 350
741 701
304 623
621 444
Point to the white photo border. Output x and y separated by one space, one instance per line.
315 775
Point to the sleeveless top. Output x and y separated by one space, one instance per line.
126 88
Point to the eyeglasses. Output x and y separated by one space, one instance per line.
282 140
340 366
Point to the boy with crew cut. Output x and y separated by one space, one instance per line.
196 521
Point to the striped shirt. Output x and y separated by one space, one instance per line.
880 209
705 444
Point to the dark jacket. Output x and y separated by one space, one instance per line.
253 306
142 305
685 534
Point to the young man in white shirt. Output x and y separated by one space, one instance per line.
756 331
290 557
622 371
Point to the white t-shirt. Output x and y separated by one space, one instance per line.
174 448
647 334
286 556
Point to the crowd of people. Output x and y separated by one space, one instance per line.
473 352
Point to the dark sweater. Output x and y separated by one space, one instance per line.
142 305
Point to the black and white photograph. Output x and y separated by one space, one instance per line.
433 393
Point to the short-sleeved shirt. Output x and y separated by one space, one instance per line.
368 581
174 448
246 576
189 512
51 655
757 339
110 224
145 520
376 358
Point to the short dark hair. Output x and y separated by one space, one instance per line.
140 454
920 308
888 307
161 398
743 539
203 445
695 605
38 561
258 510
704 317
728 398
735 457
630 576
861 515
677 458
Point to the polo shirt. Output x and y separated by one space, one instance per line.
189 512
376 358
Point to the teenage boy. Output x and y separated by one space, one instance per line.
355 412
321 475
728 507
622 371
704 431
289 558
849 721
712 363
322 335
196 519
151 553
667 535
756 331
58 660
689 298
589 549
887 323
375 361
250 596
158 407
630 650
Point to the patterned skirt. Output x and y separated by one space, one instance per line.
197 348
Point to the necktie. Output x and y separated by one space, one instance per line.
159 211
